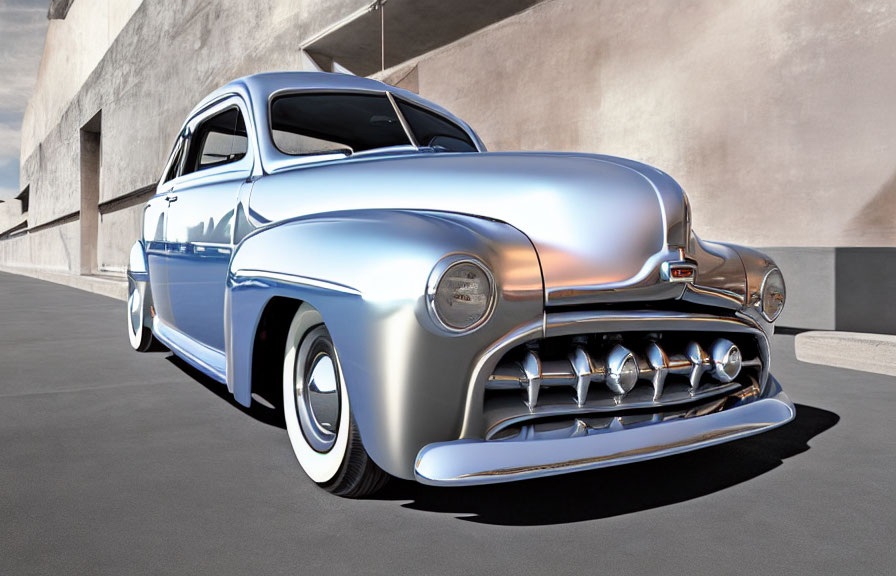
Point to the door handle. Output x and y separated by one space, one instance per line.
171 199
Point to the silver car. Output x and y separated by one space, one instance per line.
425 309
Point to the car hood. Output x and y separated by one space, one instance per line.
598 223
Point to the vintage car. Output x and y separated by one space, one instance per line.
425 309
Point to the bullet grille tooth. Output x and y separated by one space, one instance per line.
700 363
532 371
584 371
659 363
619 369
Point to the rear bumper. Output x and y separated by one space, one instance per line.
468 462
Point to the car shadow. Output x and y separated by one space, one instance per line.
595 494
615 491
271 416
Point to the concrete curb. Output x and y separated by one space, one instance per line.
853 350
104 285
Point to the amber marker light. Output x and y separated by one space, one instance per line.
678 271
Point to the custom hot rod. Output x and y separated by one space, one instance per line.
425 309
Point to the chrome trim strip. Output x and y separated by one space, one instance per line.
485 365
296 279
221 248
402 120
567 323
469 462
728 295
191 350
384 151
309 159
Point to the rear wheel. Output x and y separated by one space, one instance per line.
318 415
139 335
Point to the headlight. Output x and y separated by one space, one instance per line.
460 293
772 295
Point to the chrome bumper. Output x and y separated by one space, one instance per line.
468 462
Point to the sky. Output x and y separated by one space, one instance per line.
23 27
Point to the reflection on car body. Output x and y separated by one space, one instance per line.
425 309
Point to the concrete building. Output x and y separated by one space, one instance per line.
775 116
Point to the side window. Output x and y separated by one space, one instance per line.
175 162
218 140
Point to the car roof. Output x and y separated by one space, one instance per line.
258 88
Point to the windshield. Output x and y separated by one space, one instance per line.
433 130
306 124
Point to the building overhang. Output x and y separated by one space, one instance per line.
58 9
386 33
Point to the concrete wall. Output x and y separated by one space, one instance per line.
54 248
866 290
10 214
73 48
166 57
118 231
776 116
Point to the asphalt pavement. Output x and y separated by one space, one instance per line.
114 462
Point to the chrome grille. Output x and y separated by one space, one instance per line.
617 372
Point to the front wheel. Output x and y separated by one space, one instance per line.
318 415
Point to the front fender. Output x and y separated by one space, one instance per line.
366 272
756 266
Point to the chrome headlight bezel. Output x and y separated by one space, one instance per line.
435 278
762 288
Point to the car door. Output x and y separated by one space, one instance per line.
154 225
200 208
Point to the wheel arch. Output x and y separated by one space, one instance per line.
268 347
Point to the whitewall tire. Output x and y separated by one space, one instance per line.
317 411
139 335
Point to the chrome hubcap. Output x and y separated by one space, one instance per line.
317 397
